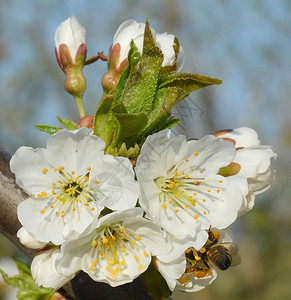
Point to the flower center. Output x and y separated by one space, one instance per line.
112 245
68 192
185 188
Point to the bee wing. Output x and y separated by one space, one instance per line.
236 260
232 248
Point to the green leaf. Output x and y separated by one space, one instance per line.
68 123
141 84
22 267
129 126
47 128
103 122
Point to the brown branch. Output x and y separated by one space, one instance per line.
82 287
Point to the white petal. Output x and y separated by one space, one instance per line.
29 240
44 273
243 137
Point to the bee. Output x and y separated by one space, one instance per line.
212 253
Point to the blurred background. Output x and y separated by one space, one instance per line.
245 43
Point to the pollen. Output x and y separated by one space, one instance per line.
138 237
164 206
201 171
52 206
209 191
53 191
109 268
61 168
146 254
196 153
136 258
124 250
195 217
195 194
74 209
134 242
73 172
86 204
205 213
203 200
57 212
140 267
93 243
92 208
56 170
97 181
86 178
187 159
103 255
63 216
43 194
54 184
220 181
44 170
39 196
42 211
186 176
218 191
195 182
89 168
104 240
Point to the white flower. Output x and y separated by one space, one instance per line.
180 188
254 160
72 34
132 30
70 182
43 270
115 249
28 240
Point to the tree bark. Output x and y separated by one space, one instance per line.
82 287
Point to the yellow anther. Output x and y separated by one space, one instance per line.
97 181
202 250
164 185
57 212
195 194
81 185
187 159
176 173
186 176
196 153
86 204
205 213
93 263
44 170
61 168
77 200
52 206
58 197
56 170
140 267
146 254
164 206
42 211
209 191
109 268
197 257
74 209
190 197
91 189
122 229
195 217
111 261
77 178
63 216
92 269
182 192
195 182
93 243
124 250
89 168
73 172
186 206
123 263
177 210
97 260
104 240
39 196
220 181
92 208
192 169
201 171
53 191
134 242
86 178
203 200
43 194
103 255
62 186
138 237
218 191
121 244
170 201
136 258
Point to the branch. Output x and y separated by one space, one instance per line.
82 286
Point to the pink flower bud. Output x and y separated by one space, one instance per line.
86 121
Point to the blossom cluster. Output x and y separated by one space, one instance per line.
109 214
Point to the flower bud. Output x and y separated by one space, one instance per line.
86 121
132 30
70 41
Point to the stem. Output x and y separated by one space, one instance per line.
79 102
